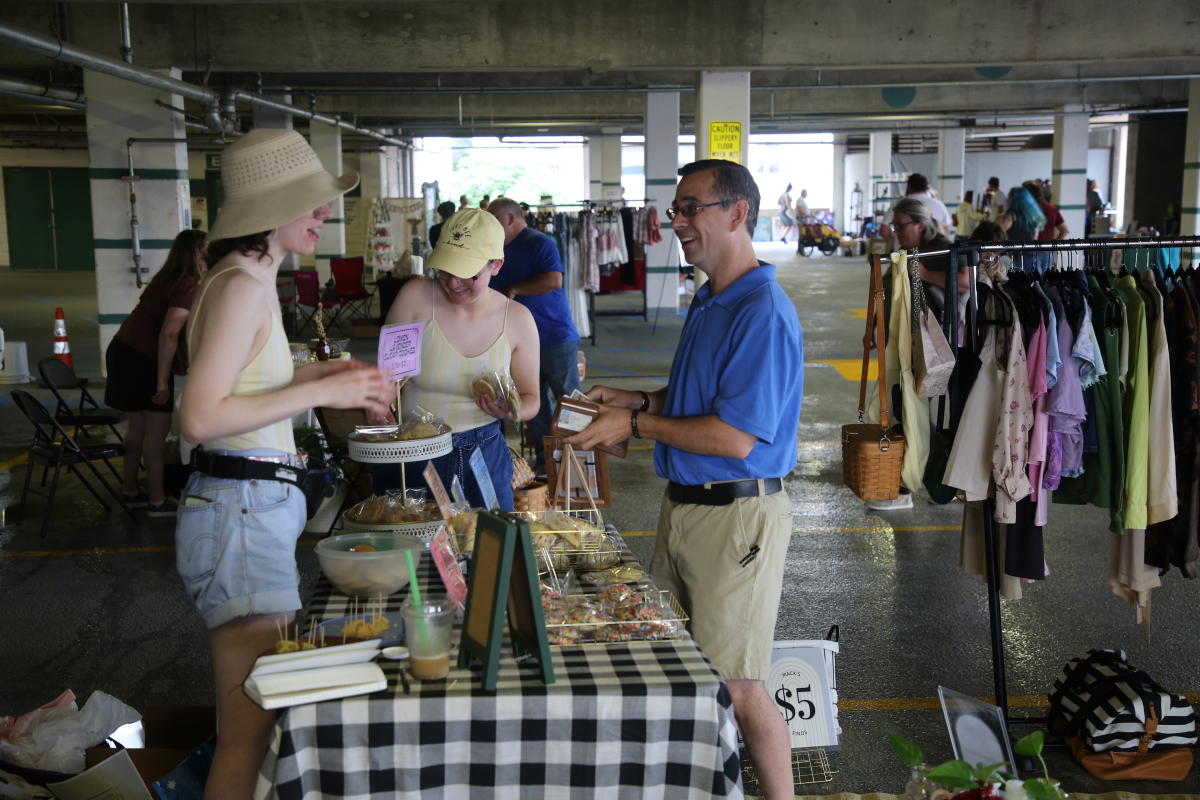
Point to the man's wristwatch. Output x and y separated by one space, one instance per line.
633 428
645 402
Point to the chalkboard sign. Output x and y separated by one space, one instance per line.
503 579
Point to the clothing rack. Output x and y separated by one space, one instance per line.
966 254
602 206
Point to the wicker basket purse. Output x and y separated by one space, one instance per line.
871 454
529 494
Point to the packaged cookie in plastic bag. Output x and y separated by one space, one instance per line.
421 423
498 390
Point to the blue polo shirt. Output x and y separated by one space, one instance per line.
528 255
740 357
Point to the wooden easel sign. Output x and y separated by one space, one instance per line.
503 579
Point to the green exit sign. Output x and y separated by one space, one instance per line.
212 161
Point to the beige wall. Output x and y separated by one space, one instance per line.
31 158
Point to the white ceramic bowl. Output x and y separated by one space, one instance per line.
368 574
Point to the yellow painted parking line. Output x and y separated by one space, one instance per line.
855 313
930 703
16 461
870 529
851 368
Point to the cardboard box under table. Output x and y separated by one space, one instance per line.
631 718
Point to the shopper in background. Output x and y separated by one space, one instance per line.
917 188
991 202
1095 207
725 427
966 217
1027 221
787 222
802 214
142 359
463 202
445 211
235 539
1055 227
533 276
471 330
487 199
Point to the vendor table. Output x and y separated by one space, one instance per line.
630 720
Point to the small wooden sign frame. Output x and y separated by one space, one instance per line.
593 462
503 578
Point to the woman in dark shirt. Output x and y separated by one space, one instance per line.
141 360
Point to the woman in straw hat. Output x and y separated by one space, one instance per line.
471 330
240 518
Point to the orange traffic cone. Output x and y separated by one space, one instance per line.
62 347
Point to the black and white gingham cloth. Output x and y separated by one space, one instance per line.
632 720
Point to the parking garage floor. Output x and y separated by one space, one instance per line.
96 603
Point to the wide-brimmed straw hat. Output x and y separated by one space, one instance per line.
270 178
468 241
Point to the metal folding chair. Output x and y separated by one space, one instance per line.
54 447
61 378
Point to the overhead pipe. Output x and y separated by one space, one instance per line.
64 51
43 99
126 39
40 89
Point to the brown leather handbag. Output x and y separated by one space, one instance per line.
871 454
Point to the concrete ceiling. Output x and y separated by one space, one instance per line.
476 67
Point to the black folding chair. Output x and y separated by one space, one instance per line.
61 378
54 447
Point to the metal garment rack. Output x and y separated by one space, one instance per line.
966 254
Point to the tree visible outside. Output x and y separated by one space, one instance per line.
522 173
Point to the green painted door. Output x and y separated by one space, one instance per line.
49 213
72 192
30 223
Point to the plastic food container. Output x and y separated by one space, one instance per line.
367 574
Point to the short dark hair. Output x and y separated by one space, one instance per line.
446 210
994 182
252 244
917 183
732 182
988 231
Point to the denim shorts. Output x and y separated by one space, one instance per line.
235 546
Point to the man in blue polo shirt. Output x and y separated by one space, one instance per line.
725 428
533 276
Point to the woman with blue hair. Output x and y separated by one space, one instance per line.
1027 221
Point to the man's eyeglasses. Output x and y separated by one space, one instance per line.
690 210
445 277
905 224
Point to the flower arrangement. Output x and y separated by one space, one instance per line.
981 781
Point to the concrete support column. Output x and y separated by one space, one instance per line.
1118 177
372 167
326 140
268 118
662 162
952 159
1070 166
117 112
841 214
594 169
407 187
610 165
723 115
880 168
1190 220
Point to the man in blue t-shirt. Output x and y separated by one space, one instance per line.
533 276
725 427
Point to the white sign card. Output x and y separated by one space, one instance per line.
803 686
400 349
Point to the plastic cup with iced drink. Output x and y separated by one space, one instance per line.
428 627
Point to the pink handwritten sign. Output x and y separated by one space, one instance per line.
400 349
447 564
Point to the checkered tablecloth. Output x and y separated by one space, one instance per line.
633 720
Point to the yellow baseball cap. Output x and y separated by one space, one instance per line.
468 241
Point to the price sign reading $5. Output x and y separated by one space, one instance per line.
793 705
